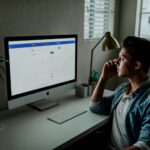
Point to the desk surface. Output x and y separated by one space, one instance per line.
28 129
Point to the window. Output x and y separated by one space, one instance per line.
143 19
98 18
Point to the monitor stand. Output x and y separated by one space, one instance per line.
43 104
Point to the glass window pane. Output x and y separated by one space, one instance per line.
146 6
145 25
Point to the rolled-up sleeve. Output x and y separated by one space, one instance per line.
103 106
142 145
145 125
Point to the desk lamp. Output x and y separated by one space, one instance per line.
108 43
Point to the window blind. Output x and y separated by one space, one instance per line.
97 19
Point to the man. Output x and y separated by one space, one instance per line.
129 105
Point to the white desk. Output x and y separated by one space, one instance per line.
28 129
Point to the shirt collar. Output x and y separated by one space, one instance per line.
144 86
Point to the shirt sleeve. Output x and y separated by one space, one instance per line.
103 106
93 104
142 145
145 123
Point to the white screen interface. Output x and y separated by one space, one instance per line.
36 64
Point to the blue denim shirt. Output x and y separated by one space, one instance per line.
137 119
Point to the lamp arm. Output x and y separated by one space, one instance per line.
91 61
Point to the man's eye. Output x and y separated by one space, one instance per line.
122 58
119 58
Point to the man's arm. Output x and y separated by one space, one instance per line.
99 90
107 72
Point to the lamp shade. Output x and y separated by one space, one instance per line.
109 42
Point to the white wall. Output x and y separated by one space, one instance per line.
127 19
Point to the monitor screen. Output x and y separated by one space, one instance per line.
39 67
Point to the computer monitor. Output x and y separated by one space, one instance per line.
40 67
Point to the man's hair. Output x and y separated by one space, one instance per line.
138 48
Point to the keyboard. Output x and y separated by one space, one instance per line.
66 114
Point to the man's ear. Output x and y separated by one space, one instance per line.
137 65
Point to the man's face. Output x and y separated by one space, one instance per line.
125 66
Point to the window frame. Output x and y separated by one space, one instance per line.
139 19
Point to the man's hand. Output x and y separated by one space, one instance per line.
109 69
